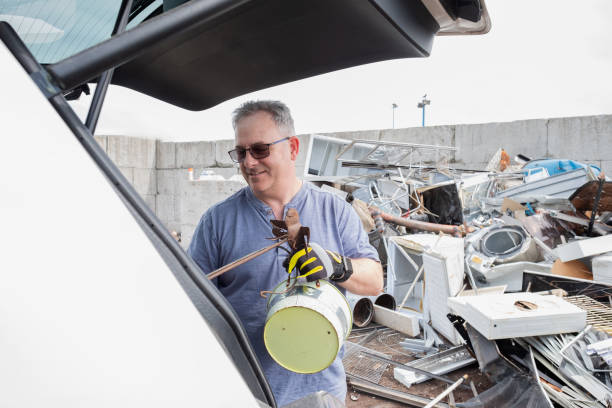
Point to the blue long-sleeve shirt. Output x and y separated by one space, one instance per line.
240 225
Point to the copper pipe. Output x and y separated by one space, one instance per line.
455 230
244 259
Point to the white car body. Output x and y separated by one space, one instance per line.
90 315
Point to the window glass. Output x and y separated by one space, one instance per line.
54 30
144 13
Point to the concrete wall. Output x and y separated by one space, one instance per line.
585 138
158 170
159 173
181 202
136 158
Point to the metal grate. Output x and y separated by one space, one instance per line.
362 366
598 314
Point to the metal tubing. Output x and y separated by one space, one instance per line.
362 309
386 300
388 393
453 230
575 339
446 392
100 93
244 259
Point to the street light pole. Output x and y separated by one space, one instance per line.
393 106
421 105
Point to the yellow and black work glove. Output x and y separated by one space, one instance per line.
315 263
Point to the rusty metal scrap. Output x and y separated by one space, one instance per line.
454 230
290 230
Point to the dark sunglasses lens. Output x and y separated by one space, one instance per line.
237 155
260 150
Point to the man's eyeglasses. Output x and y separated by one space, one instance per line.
258 151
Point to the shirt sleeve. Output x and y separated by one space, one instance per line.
204 248
355 240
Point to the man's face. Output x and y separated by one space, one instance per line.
269 175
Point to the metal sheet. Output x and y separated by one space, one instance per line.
440 363
561 185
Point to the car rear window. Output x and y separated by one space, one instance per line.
54 30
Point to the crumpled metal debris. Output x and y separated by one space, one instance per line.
512 217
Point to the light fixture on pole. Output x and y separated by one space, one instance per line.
393 106
421 105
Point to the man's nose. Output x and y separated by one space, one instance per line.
249 160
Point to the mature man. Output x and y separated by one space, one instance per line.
266 150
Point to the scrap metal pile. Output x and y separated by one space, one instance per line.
509 267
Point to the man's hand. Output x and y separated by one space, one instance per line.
315 263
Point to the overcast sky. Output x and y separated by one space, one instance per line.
541 59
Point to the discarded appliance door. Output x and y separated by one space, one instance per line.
306 325
509 243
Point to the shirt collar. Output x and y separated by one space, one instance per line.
261 206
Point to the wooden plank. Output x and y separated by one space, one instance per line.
398 321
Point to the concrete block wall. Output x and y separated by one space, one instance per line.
586 138
159 170
159 173
136 158
477 143
180 202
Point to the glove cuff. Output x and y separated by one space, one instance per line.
345 273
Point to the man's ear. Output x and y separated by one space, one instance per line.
294 145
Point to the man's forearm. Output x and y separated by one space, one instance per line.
367 278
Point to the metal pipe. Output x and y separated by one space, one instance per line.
362 309
244 259
575 339
446 392
453 230
370 388
386 300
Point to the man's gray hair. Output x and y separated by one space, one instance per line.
279 111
